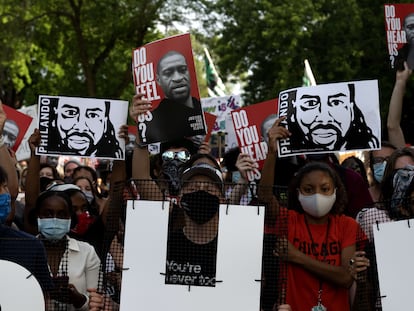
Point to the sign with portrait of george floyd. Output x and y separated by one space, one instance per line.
23 151
164 73
399 29
330 117
251 124
15 127
86 127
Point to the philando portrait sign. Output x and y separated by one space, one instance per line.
331 117
86 127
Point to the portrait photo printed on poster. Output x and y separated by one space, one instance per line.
331 117
251 124
164 71
399 27
86 127
10 132
15 127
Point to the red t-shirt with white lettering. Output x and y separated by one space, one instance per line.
303 286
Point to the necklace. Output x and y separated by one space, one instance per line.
324 250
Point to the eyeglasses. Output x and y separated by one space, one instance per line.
182 156
379 159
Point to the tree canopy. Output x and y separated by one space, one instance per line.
343 41
72 47
83 48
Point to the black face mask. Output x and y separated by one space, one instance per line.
44 181
200 206
171 171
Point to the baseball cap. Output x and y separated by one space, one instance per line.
179 143
203 169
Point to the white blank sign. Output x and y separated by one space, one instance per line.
19 289
395 254
239 260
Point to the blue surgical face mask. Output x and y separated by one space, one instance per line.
53 228
5 206
235 177
379 169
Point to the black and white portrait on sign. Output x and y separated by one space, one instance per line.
331 117
85 127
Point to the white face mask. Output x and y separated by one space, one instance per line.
89 196
317 205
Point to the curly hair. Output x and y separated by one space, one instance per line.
341 196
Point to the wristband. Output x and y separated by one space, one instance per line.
1 141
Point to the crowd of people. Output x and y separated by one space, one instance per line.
67 229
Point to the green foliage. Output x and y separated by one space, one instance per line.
83 48
269 40
72 47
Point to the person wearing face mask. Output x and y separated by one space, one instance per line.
377 162
319 241
68 169
86 223
18 246
355 186
47 175
87 188
165 169
396 200
163 172
5 199
74 265
400 158
192 250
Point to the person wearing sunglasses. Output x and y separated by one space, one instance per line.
171 162
182 155
195 243
157 177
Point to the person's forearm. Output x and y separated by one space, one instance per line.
140 163
265 189
32 191
112 212
8 164
267 178
338 275
147 189
395 133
